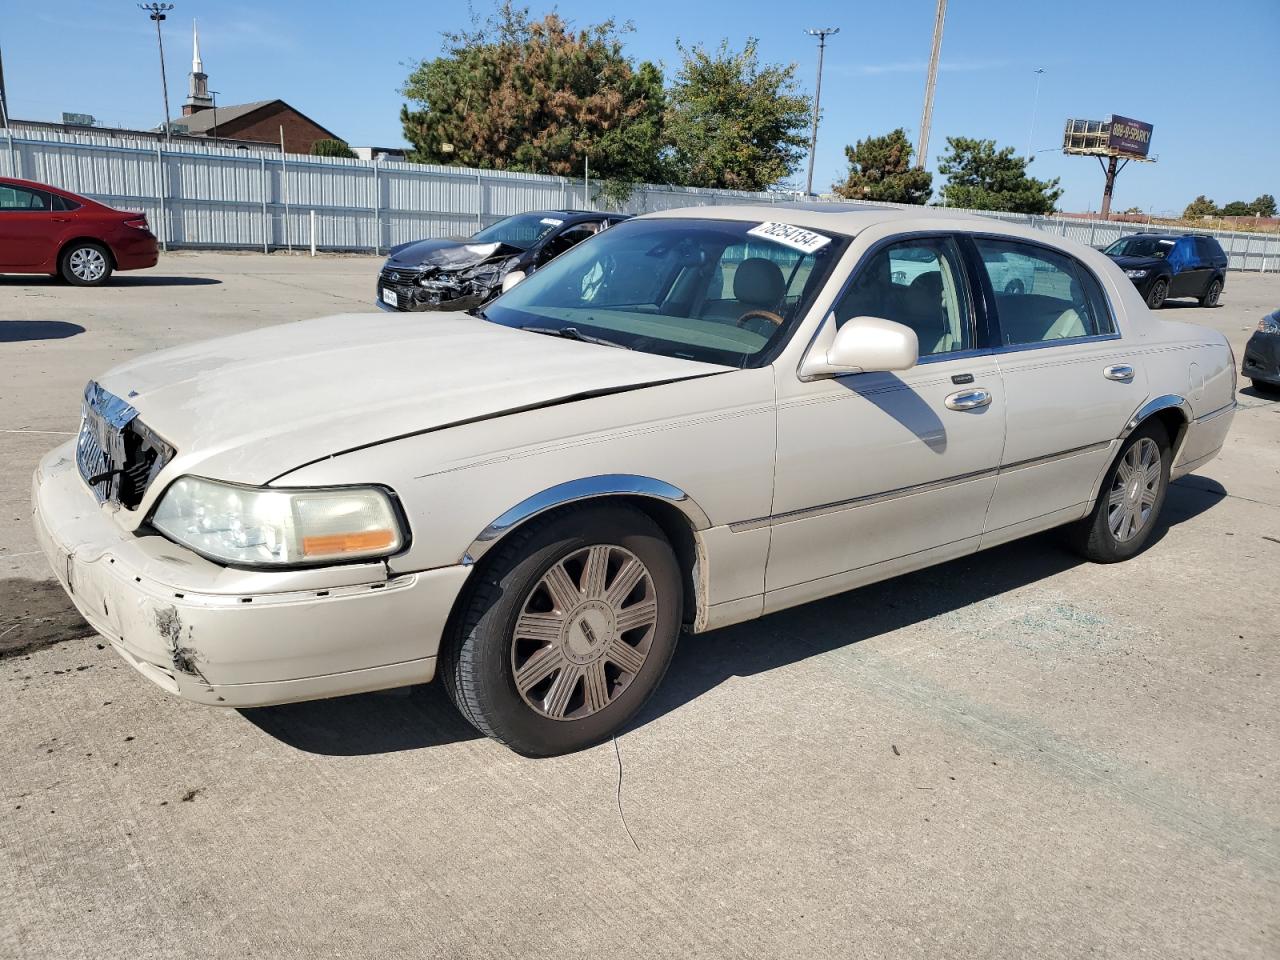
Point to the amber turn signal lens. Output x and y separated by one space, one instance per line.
338 543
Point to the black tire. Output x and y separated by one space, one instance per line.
478 661
1156 295
1263 387
85 264
1093 536
1212 293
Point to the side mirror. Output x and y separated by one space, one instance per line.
861 345
511 279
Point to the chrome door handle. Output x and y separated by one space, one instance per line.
1119 371
968 399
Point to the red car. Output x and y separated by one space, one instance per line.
47 230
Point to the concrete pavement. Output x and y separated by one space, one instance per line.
1013 754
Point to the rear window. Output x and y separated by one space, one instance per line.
64 204
1209 249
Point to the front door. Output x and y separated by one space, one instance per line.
27 227
880 472
1190 271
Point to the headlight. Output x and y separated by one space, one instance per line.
1270 323
1136 274
269 526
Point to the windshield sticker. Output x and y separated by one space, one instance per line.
551 221
797 238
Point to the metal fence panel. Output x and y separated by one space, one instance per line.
197 195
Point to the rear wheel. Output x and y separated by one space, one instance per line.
1263 386
567 630
1130 499
1155 296
85 264
1212 293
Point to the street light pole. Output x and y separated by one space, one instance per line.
931 82
822 35
1035 106
157 12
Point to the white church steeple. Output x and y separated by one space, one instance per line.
198 83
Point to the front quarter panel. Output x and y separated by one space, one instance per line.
711 437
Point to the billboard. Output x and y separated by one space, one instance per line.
1129 137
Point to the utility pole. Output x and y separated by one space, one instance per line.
157 12
922 149
4 118
1035 106
821 33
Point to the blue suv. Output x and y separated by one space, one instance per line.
1164 266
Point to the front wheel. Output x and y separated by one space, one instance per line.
1155 297
85 264
567 629
1130 499
1211 294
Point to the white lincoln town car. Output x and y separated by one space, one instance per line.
693 419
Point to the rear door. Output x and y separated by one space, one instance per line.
28 232
1070 381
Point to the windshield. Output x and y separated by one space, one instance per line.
718 291
522 230
1141 247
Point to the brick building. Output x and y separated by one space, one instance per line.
260 121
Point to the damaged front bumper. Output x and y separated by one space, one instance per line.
231 637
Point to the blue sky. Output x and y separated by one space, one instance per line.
1205 76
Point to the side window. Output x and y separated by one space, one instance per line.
570 237
918 283
20 198
1042 295
1208 250
63 205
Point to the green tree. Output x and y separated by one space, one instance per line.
980 177
1237 208
331 148
1201 206
733 122
1264 206
880 169
539 96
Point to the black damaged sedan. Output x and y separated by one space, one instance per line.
1262 354
460 274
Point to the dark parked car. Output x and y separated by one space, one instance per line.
1164 266
47 230
1262 354
460 274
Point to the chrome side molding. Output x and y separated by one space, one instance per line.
587 488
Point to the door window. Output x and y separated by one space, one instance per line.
1208 252
918 283
1042 295
63 205
21 198
570 237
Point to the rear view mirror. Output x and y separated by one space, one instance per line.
861 345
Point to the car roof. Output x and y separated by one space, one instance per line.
848 218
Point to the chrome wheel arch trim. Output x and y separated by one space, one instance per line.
586 488
1168 401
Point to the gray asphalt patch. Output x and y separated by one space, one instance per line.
36 614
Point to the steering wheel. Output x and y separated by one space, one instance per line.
769 315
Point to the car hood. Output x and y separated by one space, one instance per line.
450 254
1136 263
251 407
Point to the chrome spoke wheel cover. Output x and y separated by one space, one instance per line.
584 632
1134 490
88 263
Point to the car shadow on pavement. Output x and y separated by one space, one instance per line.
422 716
21 331
128 280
